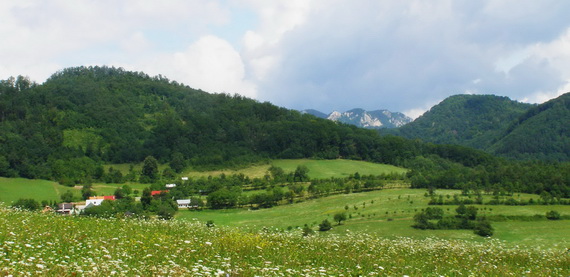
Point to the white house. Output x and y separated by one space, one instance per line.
94 202
183 203
184 178
170 185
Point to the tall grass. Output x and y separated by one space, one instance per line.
33 244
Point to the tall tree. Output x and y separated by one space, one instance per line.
150 169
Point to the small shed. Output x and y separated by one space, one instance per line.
65 208
183 203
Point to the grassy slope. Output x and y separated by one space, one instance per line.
317 168
398 220
12 189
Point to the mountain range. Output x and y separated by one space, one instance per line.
377 119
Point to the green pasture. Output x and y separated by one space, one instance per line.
109 189
12 189
389 213
317 168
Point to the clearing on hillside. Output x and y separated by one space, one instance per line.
12 189
318 169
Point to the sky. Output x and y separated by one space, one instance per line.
400 55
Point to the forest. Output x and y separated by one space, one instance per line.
82 118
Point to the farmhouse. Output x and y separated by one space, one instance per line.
97 200
65 208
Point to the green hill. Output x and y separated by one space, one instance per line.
469 120
498 125
71 127
542 132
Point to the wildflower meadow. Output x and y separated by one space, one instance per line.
35 244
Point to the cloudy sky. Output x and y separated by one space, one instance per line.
328 55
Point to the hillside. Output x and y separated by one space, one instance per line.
542 132
83 116
378 119
498 125
82 119
469 120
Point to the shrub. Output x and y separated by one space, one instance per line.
483 228
325 225
553 215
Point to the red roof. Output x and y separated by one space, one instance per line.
110 197
157 192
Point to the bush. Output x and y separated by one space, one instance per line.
483 228
307 231
27 204
325 225
553 215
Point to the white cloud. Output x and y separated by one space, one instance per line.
210 64
323 54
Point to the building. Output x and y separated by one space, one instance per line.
183 203
65 208
157 192
97 200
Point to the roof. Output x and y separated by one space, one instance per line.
107 197
65 206
157 192
183 201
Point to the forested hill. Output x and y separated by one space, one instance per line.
81 118
542 132
469 120
93 115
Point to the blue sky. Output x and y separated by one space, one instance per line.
325 54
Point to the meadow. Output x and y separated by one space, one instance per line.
35 244
12 189
318 169
389 213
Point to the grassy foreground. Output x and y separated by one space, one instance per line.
51 245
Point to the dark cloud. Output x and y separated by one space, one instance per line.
401 55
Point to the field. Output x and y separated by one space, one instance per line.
51 245
109 189
389 213
317 168
12 189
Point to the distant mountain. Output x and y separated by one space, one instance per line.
543 132
366 119
498 125
316 113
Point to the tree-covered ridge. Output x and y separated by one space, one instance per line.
469 120
542 132
82 118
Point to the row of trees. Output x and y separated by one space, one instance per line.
465 218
